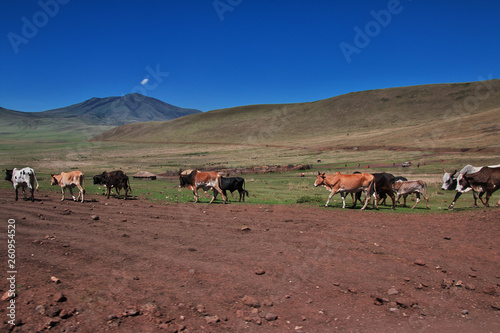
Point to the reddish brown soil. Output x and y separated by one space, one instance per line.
145 267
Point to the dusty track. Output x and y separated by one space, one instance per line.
145 267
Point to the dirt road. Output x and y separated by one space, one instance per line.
132 266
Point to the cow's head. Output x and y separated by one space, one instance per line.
186 179
320 179
53 180
98 179
8 174
449 180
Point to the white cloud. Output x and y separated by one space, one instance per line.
144 82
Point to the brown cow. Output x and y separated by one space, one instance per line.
487 180
351 183
205 180
69 180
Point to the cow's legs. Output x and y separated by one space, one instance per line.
375 200
80 192
117 190
195 192
126 191
224 198
474 193
418 200
332 193
342 195
71 191
367 197
32 194
62 190
485 203
457 195
17 189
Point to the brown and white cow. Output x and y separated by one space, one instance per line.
69 180
205 180
403 188
350 183
487 180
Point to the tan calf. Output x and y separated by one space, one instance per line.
69 180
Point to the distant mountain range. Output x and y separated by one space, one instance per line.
114 111
88 118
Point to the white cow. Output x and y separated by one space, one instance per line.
23 178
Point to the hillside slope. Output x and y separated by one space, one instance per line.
460 115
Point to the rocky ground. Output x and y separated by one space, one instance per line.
132 266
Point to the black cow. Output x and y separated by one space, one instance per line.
232 184
114 179
384 183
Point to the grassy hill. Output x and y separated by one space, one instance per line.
464 115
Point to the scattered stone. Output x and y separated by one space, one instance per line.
495 306
447 283
41 309
420 262
55 280
405 302
251 301
94 217
245 228
352 290
126 236
336 284
65 314
212 319
254 319
53 311
490 291
267 302
59 297
123 220
459 283
7 296
149 308
51 322
465 312
393 291
201 309
260 271
131 312
271 316
470 287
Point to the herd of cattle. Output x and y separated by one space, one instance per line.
479 180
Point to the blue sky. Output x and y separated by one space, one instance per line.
208 54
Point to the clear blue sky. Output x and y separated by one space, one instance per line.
208 54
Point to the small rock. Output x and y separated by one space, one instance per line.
55 280
52 322
495 306
201 309
352 290
65 314
59 297
420 262
53 311
267 302
470 287
94 217
149 308
259 271
490 291
465 312
245 228
271 316
212 319
123 220
7 296
41 309
393 291
251 301
447 283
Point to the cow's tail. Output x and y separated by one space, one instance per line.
128 184
82 182
34 176
244 190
